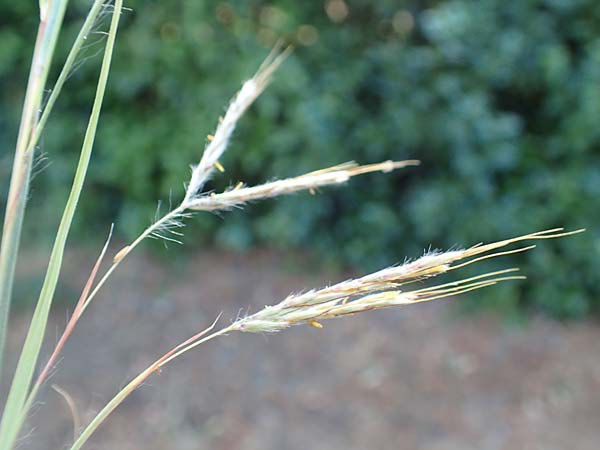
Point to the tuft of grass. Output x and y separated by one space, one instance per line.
389 287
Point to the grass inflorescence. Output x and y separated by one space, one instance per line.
392 286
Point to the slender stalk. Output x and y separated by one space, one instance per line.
334 175
77 312
122 255
13 416
72 408
168 220
251 89
51 18
135 383
374 291
86 298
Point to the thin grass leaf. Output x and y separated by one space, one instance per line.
50 25
77 312
13 416
81 38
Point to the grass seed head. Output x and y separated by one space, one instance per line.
382 289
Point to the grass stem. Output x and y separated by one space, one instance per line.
14 414
51 19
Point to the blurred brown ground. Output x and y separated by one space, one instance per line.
411 378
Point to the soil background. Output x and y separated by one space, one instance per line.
420 377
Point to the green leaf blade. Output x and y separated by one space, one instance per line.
14 413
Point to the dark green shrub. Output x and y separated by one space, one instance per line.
500 100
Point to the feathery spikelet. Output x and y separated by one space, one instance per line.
310 181
217 144
382 289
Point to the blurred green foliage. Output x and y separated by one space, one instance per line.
500 100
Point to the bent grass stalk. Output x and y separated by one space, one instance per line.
77 312
238 196
334 175
138 380
72 408
13 416
371 292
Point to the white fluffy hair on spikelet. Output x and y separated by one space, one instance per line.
217 144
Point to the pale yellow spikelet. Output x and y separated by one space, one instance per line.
217 142
380 289
310 181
